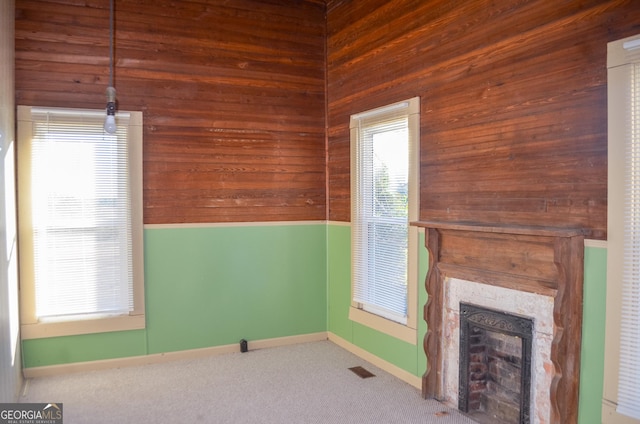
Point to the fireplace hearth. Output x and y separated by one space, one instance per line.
495 365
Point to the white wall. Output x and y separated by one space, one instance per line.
10 365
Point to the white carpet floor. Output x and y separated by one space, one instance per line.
305 383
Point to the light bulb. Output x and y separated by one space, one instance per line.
110 124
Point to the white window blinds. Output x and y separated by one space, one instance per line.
380 219
81 215
629 373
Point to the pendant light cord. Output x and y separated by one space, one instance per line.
110 122
111 43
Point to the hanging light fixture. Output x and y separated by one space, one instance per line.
110 120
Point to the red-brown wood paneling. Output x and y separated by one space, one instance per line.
232 95
513 102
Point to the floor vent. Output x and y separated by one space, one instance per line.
361 372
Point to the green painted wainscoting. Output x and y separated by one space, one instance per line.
412 358
209 286
593 325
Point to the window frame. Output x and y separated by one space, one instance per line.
31 328
619 60
411 109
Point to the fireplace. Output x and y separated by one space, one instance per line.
495 365
531 272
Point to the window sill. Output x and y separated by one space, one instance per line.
393 329
89 326
610 416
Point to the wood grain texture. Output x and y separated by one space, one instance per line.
232 95
513 120
432 313
513 102
567 342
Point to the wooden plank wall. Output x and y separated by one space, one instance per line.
513 102
232 95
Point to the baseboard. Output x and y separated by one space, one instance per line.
394 370
157 358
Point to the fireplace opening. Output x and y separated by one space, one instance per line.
495 365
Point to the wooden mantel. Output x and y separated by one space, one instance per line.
501 228
542 260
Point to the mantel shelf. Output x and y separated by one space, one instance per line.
501 228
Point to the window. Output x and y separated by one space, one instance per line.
80 222
384 199
621 396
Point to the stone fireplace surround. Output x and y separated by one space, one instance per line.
544 261
525 304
